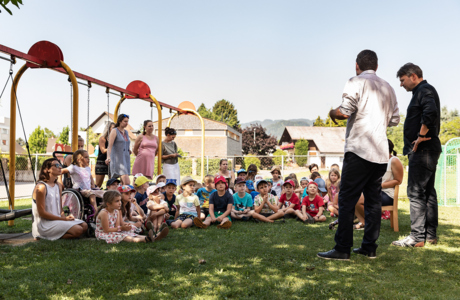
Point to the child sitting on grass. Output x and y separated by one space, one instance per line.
277 181
250 189
312 205
112 184
242 174
127 195
220 206
158 207
242 201
170 198
141 184
204 193
265 204
160 178
80 172
333 187
188 204
270 186
302 190
110 226
289 203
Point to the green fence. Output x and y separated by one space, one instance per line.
447 174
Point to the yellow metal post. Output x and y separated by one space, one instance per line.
12 163
202 135
117 108
73 79
160 129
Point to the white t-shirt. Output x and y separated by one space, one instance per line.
187 205
162 202
81 177
277 187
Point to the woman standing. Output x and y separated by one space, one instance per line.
170 156
118 151
145 149
102 168
49 220
226 173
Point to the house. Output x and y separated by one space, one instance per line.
5 137
326 144
221 140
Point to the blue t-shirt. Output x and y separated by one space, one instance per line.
170 202
204 195
254 194
242 203
142 200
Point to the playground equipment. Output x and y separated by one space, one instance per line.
47 55
188 108
447 182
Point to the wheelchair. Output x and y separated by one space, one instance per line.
73 202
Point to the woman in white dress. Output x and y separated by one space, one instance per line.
50 223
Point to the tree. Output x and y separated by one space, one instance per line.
263 143
318 122
93 138
449 130
205 112
301 148
396 135
4 3
447 115
225 111
49 133
38 141
340 123
64 136
21 142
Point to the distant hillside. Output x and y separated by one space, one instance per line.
276 127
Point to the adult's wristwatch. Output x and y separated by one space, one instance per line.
422 136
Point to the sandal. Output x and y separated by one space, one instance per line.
226 225
332 224
162 234
359 226
199 223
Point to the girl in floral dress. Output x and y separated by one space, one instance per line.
110 226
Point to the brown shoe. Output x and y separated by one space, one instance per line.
226 225
160 235
420 244
199 223
432 241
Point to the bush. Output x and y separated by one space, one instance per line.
252 159
278 160
213 165
266 163
301 148
41 159
22 163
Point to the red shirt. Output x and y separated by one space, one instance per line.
314 205
294 200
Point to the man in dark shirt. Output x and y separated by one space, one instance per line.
422 146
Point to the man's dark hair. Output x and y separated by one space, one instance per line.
409 69
367 60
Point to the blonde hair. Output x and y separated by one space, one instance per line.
328 180
208 179
77 155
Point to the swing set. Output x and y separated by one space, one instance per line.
47 55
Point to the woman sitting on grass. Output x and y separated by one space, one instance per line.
49 220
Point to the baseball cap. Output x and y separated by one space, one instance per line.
141 180
258 177
259 182
250 184
152 189
239 180
137 176
125 189
321 184
241 171
112 181
171 181
159 176
220 178
289 182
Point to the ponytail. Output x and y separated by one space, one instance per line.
391 147
146 122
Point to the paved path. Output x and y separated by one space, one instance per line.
16 239
22 190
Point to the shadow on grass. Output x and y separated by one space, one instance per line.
249 261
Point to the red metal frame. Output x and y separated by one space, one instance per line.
40 63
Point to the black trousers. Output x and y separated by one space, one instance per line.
422 194
359 176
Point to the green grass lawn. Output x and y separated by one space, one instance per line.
248 261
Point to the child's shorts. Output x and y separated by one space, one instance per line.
218 214
184 217
205 211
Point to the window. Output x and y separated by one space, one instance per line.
4 142
188 132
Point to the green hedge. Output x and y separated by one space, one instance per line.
251 159
278 160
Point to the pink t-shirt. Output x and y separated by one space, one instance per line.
294 200
314 205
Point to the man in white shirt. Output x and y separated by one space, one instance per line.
369 104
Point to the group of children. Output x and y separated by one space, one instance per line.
151 208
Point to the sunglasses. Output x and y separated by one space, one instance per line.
125 116
57 165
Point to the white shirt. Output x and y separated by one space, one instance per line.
371 104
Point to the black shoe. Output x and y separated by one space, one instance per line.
334 254
365 253
244 218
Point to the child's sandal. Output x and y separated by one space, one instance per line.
162 234
150 237
226 225
198 223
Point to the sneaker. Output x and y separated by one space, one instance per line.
310 219
332 224
199 223
226 225
408 241
361 251
334 254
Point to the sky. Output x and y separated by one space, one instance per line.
271 59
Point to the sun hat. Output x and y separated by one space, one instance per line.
241 171
275 168
152 189
171 181
240 180
220 178
250 185
161 184
321 184
141 180
186 180
259 182
125 189
159 176
289 182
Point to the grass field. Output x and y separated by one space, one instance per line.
248 261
